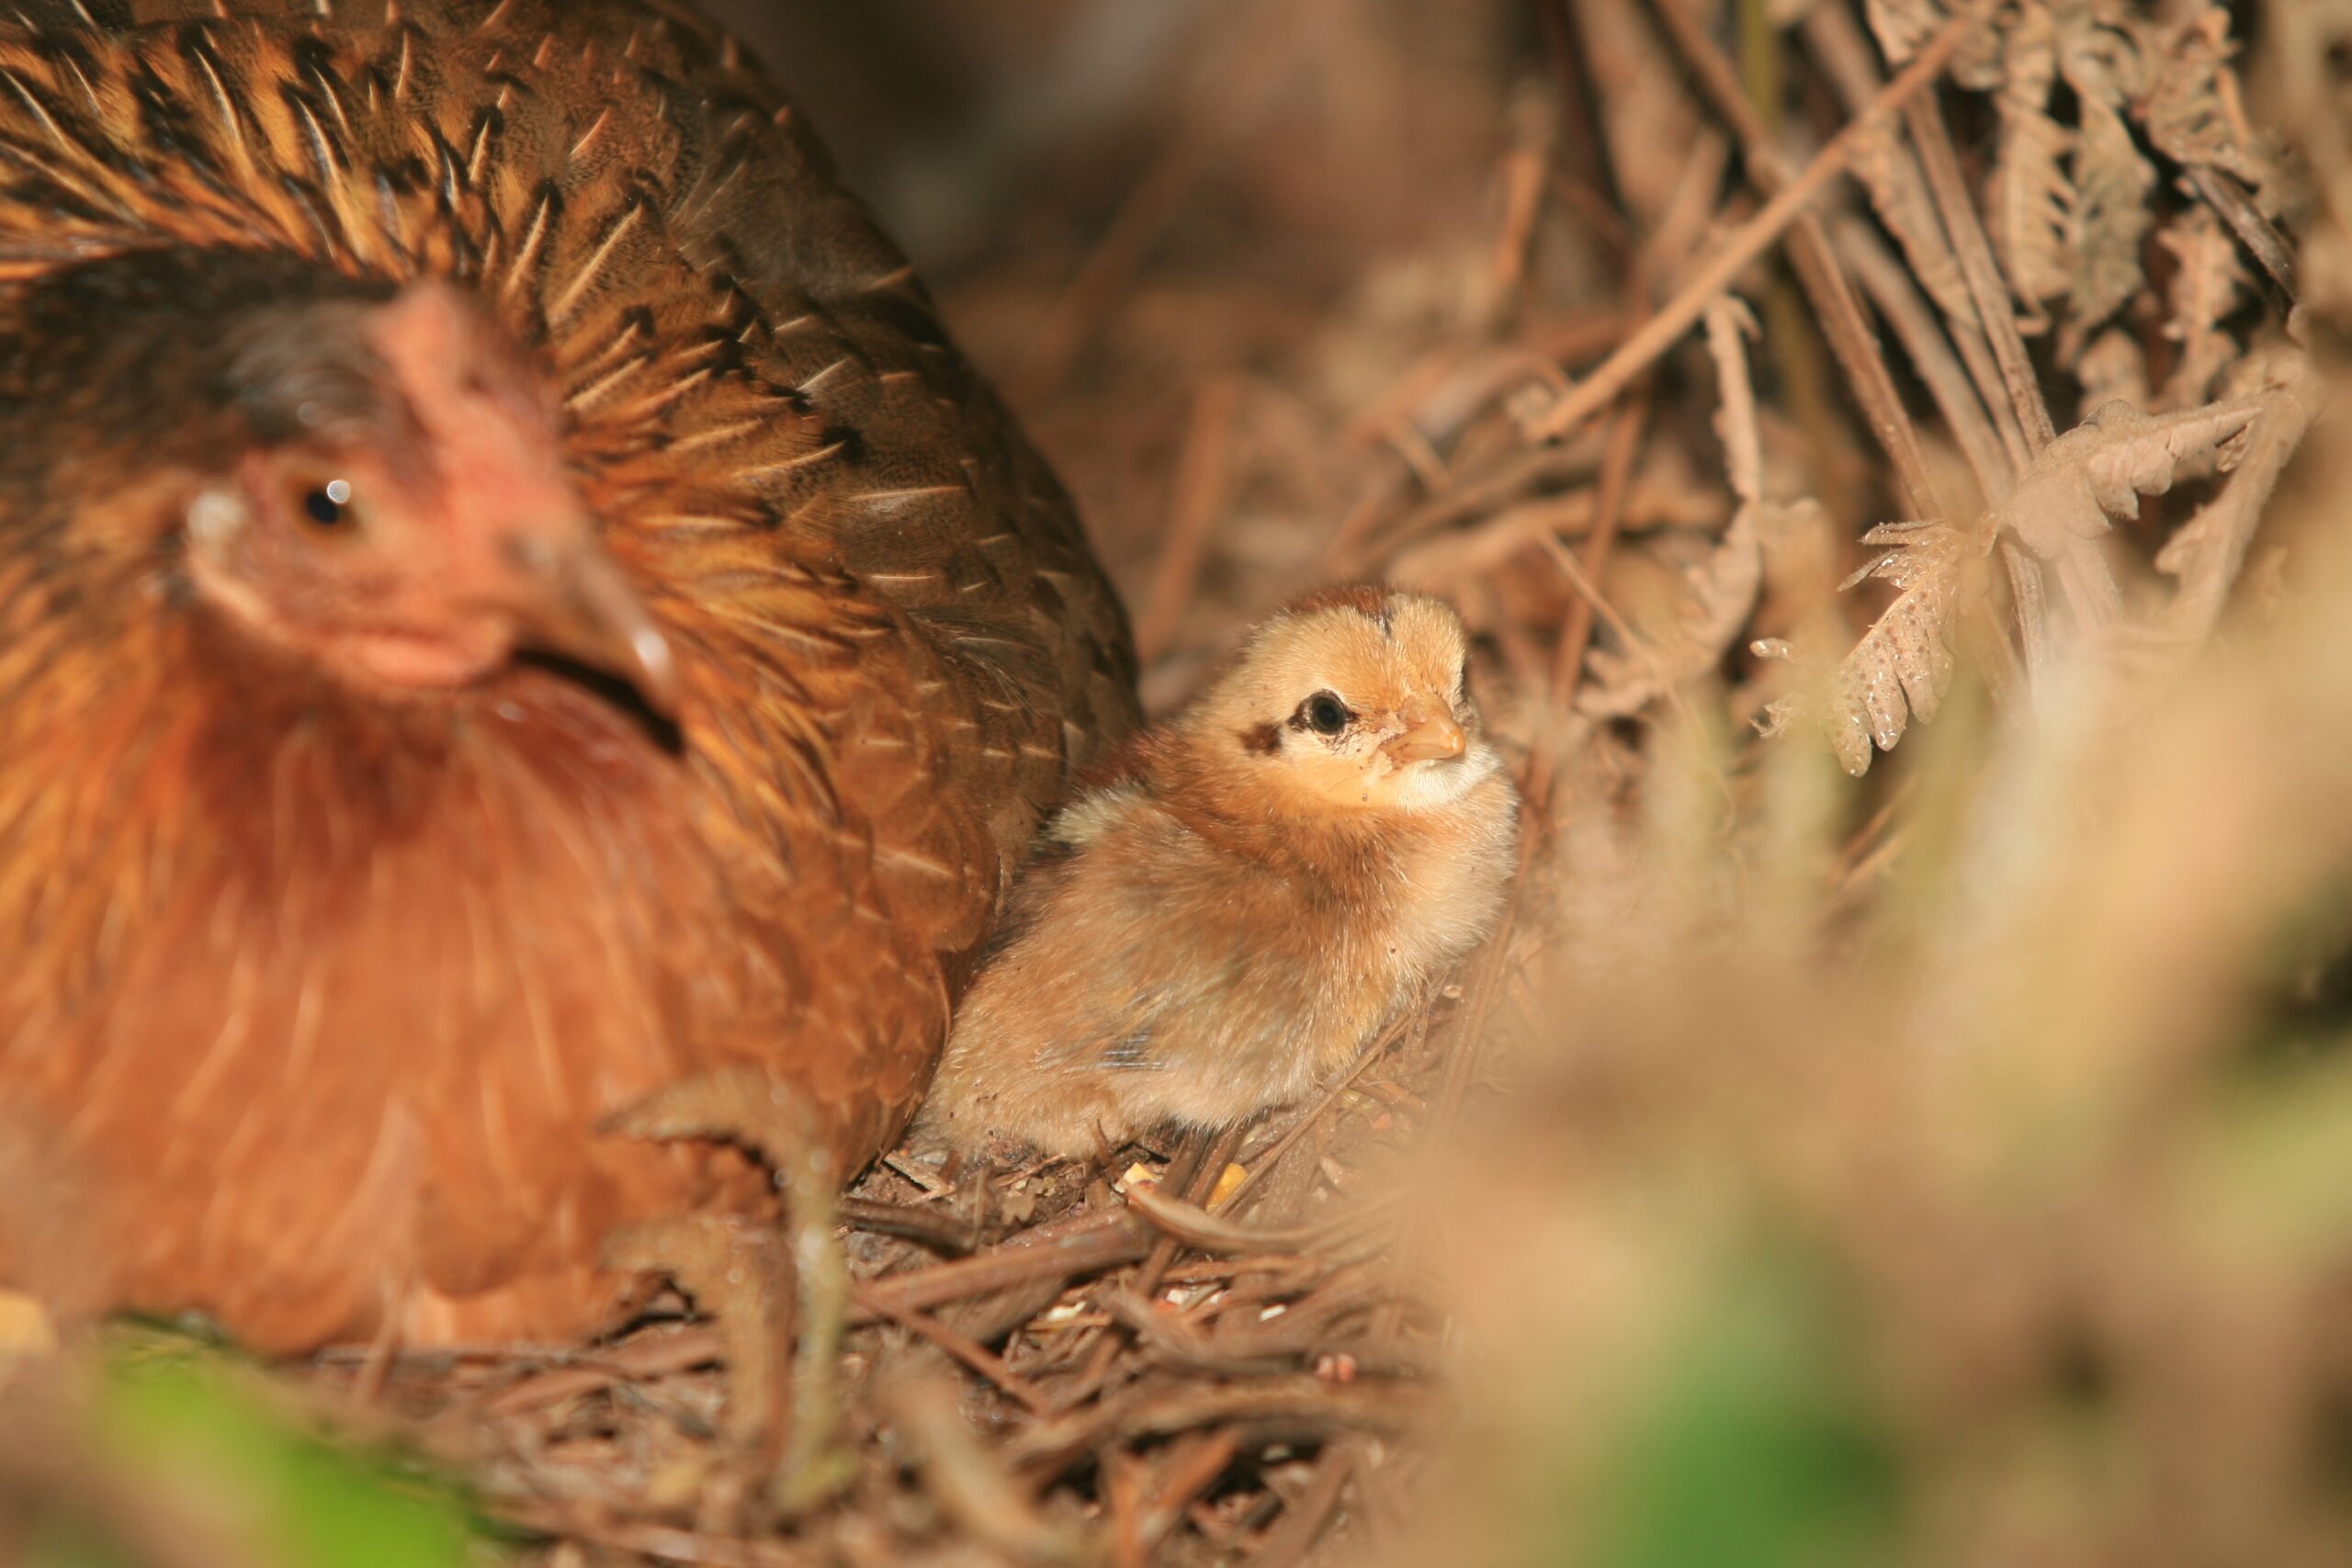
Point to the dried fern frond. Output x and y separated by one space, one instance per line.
1899 195
2030 201
1651 121
2207 284
2093 476
2068 207
1904 663
2208 552
2114 368
1901 27
1723 589
2108 222
2192 108
1722 597
1730 323
2084 481
2100 50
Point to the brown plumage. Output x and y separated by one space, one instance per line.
508 600
1255 887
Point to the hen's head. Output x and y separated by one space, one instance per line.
369 478
1354 699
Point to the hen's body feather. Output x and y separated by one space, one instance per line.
315 999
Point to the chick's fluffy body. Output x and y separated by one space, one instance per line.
1227 918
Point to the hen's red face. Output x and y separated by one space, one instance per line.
417 530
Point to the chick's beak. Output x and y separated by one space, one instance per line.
569 597
1431 736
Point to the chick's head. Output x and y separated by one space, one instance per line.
1357 699
367 476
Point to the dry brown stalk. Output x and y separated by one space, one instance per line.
1890 169
1205 1232
1825 285
1609 379
1588 572
1983 273
968 1478
1204 490
962 1349
1304 1521
1195 1175
668 1543
1889 284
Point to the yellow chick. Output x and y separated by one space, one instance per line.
1247 895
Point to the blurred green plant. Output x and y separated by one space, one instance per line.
1757 1447
182 1458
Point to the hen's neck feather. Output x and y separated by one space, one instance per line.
165 769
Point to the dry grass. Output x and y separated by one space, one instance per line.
1948 1164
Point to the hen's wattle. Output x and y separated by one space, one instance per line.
345 893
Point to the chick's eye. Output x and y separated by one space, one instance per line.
1327 713
325 506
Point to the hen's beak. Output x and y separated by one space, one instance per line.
1430 736
569 597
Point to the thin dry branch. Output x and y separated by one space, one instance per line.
1889 168
1723 591
1926 121
1609 379
1816 262
1891 289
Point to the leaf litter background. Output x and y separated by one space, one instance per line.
1883 449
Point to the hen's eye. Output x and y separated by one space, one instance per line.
1327 713
327 506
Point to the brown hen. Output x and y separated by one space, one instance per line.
508 600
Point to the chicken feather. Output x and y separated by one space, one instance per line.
318 994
